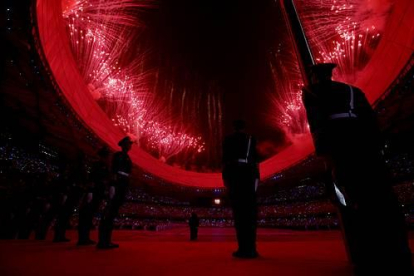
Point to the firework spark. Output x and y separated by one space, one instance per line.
345 32
289 115
100 33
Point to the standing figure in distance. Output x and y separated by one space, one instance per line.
194 223
72 179
347 138
121 171
93 197
54 194
241 176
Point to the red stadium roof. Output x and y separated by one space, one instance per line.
395 48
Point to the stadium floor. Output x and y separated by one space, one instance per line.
169 252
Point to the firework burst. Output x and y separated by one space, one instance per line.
101 32
345 32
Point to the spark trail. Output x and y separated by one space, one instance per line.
101 33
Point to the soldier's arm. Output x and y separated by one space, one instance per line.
364 109
115 166
316 119
254 157
224 161
368 115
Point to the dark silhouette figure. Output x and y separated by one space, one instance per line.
29 222
241 176
346 136
194 223
53 201
121 170
8 210
73 181
63 201
27 207
93 197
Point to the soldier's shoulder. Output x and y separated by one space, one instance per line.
342 86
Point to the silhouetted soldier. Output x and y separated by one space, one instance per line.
37 185
53 199
72 186
241 176
60 201
121 170
26 203
194 223
93 197
346 136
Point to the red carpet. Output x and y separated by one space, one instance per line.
170 253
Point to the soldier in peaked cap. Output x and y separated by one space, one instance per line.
94 195
121 171
241 177
193 223
347 138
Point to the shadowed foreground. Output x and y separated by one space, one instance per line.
170 252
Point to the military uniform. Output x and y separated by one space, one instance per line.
72 181
121 170
344 130
98 178
51 205
240 171
193 222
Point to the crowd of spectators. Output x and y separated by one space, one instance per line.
139 195
310 191
173 212
306 222
145 210
132 223
401 166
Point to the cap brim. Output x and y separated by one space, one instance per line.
322 67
